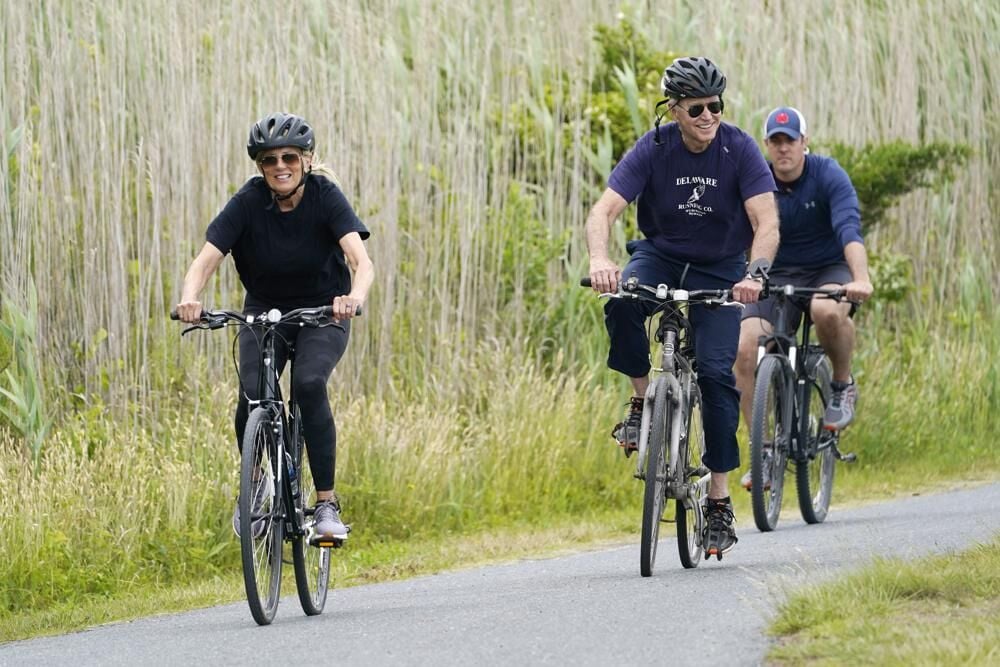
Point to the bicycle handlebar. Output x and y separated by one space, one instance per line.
632 289
837 294
216 319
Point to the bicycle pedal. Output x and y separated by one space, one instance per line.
328 542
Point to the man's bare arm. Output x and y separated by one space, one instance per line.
604 273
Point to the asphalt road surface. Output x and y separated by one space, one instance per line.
589 608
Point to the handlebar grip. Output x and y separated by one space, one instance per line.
174 315
585 282
328 311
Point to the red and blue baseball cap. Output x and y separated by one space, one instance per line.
787 120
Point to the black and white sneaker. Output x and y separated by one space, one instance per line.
626 433
720 533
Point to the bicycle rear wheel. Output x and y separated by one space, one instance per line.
654 497
261 526
312 564
814 472
688 510
771 418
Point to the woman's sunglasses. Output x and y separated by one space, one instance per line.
268 161
696 110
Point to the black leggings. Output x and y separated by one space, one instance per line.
317 351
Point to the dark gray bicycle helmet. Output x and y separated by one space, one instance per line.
278 130
692 77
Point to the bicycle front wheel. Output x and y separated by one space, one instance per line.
770 421
654 497
688 510
312 564
814 471
261 526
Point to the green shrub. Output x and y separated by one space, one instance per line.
884 172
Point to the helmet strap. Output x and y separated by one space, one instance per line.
302 181
659 119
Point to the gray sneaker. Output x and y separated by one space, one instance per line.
263 492
840 411
326 516
746 482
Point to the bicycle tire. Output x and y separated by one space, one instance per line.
654 498
814 472
771 418
312 564
260 552
689 516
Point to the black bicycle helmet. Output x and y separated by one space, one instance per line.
692 77
278 130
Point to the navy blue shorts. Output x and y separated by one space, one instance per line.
830 274
716 333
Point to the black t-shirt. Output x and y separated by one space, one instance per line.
288 260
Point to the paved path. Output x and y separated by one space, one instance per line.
589 608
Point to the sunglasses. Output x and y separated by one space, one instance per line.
268 161
696 110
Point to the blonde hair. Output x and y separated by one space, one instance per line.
325 170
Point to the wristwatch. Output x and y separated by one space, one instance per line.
758 269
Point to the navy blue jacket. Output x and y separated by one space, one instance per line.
819 215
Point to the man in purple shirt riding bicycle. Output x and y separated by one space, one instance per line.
704 196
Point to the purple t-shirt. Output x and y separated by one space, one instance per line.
690 205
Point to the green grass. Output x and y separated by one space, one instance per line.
936 611
363 561
120 521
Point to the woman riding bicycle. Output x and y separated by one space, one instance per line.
295 240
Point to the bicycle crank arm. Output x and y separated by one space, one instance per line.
850 457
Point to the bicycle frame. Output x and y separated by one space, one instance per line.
800 370
269 390
275 433
676 370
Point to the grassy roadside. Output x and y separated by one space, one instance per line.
354 565
393 560
934 611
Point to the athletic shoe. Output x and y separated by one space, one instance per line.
626 433
746 482
840 411
326 516
720 534
263 491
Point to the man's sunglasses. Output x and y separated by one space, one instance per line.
696 110
268 161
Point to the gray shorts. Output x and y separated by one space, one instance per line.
830 274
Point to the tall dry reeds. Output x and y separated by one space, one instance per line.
132 115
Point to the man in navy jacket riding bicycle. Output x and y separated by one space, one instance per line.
705 196
821 246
